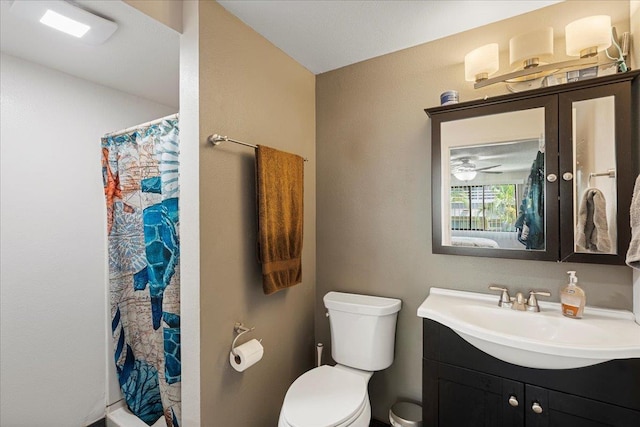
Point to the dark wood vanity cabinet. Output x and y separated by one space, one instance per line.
587 131
463 386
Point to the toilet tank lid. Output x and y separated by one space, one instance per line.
361 304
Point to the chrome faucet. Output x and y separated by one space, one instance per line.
519 303
505 300
532 302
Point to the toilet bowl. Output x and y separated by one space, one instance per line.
362 341
328 396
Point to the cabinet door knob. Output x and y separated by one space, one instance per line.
513 401
536 408
552 177
567 176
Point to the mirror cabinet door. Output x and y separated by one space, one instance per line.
546 176
594 176
490 192
594 156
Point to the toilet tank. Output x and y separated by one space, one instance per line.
363 329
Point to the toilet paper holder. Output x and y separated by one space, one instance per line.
240 330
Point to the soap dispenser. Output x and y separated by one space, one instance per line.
573 298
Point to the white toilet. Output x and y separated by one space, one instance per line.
363 330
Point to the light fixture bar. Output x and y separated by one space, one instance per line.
542 70
64 24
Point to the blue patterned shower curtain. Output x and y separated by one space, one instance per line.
140 174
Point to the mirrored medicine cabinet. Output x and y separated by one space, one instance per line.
546 174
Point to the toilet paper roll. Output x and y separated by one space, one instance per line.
247 355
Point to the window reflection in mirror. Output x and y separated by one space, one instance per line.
594 201
493 181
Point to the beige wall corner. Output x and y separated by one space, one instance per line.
250 91
190 216
634 19
169 12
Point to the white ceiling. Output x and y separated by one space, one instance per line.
325 35
142 57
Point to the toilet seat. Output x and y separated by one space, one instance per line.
325 397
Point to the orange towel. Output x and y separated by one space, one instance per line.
280 214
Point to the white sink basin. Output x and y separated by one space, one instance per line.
544 340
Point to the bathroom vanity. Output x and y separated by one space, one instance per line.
465 386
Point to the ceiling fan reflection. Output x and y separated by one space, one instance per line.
465 165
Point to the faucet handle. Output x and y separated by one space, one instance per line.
532 302
505 300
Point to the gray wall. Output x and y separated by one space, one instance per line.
374 196
251 91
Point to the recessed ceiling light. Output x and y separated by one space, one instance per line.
64 24
66 17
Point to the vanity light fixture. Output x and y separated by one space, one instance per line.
529 53
588 36
482 62
531 48
66 17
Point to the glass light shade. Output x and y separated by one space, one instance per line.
588 36
465 175
480 63
528 49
